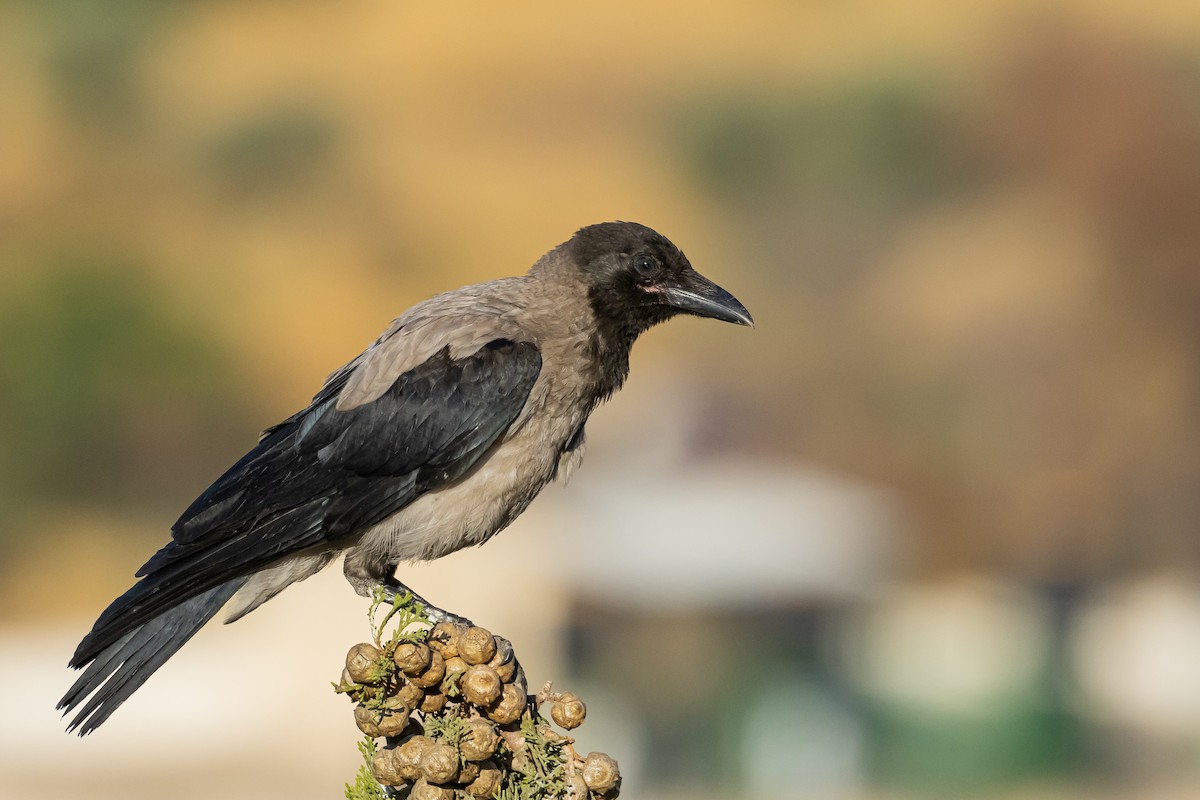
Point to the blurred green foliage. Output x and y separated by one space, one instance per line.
273 152
946 756
109 393
92 51
878 141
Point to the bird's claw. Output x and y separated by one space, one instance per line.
394 589
505 654
437 615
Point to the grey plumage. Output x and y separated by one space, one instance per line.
433 439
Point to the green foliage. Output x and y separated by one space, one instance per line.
406 616
925 753
403 621
542 775
451 684
104 385
450 728
365 786
883 140
93 51
270 154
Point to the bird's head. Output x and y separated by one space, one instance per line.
636 278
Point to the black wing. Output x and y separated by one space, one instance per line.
326 474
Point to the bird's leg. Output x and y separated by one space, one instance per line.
367 576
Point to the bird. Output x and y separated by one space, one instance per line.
433 439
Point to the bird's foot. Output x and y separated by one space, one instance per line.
437 615
368 577
393 589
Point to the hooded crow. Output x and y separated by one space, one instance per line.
433 439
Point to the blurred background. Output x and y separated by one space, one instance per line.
928 531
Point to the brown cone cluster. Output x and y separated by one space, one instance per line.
458 722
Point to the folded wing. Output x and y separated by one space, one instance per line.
313 482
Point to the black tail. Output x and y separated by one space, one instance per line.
118 670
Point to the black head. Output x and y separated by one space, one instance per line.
637 278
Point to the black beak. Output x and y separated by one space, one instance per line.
696 294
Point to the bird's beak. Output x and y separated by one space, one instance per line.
696 294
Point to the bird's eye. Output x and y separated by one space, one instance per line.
645 266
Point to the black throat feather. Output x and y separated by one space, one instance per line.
618 325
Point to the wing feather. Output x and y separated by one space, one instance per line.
327 473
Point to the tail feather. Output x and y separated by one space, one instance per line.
122 667
186 572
